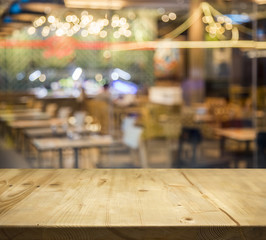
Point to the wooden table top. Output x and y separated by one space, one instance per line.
238 134
65 142
132 204
21 124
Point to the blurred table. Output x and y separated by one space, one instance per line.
34 115
15 128
244 135
137 204
53 131
23 124
237 134
18 110
58 144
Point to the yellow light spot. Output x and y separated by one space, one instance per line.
165 18
51 19
107 54
42 78
116 34
103 34
228 26
98 77
72 120
172 16
84 33
31 30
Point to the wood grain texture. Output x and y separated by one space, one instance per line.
132 204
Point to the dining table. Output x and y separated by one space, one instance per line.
117 204
34 115
75 142
15 128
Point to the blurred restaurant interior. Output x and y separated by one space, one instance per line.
132 84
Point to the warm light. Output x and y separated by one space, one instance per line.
45 31
115 17
221 30
107 54
59 32
84 13
122 21
172 16
43 19
128 33
69 18
74 18
42 78
103 34
84 33
220 19
105 22
31 30
76 28
53 27
66 26
115 23
208 19
165 18
51 19
116 34
59 24
72 120
218 25
98 77
228 20
228 26
204 19
70 32
161 11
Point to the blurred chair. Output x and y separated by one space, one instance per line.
131 145
102 112
194 152
261 148
234 150
191 137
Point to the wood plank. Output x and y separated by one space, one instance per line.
132 204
